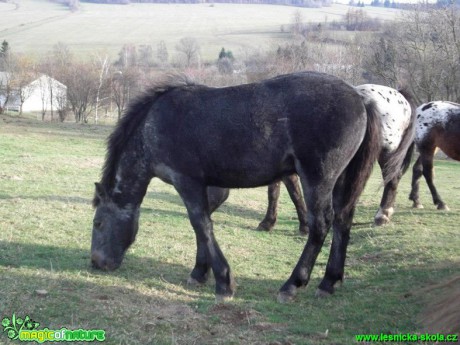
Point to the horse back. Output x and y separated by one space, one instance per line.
251 135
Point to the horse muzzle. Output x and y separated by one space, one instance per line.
100 261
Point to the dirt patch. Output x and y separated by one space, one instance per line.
239 324
231 314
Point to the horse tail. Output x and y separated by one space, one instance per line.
400 159
360 167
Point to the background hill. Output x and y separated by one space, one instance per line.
35 26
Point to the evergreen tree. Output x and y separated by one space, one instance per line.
4 49
226 54
222 53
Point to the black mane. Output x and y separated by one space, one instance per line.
134 116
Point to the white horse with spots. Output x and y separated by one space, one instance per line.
398 122
396 110
438 126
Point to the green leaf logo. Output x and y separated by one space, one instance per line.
12 327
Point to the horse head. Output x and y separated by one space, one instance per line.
114 229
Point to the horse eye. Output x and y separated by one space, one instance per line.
97 224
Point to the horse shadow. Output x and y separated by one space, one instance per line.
55 261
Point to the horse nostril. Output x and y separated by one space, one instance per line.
97 260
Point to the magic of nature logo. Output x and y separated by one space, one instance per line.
26 329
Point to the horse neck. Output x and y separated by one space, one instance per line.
131 181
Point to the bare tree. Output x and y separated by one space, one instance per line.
101 63
189 51
162 53
82 89
298 26
421 49
124 84
26 73
8 65
127 56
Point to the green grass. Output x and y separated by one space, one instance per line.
47 173
35 26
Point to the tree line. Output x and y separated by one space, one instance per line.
73 4
419 50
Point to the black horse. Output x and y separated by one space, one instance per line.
396 110
205 140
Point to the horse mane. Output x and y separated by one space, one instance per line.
133 118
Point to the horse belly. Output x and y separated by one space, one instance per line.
247 168
449 143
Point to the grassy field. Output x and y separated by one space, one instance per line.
47 173
34 26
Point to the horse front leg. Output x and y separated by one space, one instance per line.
293 187
209 255
269 220
417 172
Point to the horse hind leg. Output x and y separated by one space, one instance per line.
346 192
269 220
417 172
428 169
386 208
293 187
343 217
320 214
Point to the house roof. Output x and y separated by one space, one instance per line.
4 76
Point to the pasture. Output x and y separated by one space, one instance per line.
47 175
35 26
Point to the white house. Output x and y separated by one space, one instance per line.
40 95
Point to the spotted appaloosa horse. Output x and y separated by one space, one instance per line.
397 113
205 140
438 126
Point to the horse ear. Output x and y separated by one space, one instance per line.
101 194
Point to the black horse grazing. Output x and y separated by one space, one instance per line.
438 125
397 113
204 140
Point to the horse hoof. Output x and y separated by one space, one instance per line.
417 205
284 297
264 227
193 282
220 299
443 207
382 220
322 293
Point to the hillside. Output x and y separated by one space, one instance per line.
35 26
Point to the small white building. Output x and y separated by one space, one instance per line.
40 95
